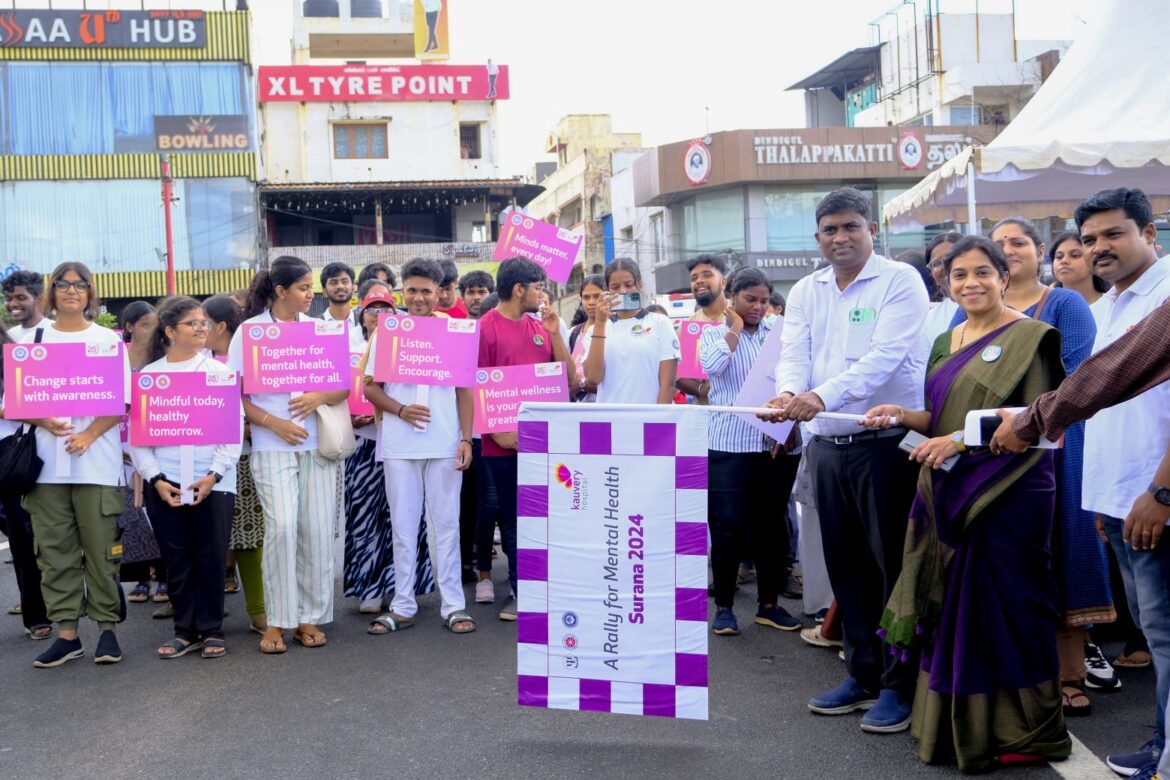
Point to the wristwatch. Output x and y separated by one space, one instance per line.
217 475
155 479
957 438
1160 494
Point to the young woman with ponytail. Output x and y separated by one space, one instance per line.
296 485
193 537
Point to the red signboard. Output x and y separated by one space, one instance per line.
377 83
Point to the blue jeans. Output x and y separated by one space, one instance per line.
1146 574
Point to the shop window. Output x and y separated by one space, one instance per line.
359 141
469 148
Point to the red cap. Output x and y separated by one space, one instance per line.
378 294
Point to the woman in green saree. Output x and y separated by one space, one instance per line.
977 587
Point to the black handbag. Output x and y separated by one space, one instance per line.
19 462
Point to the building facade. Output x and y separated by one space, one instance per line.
89 103
751 195
930 64
578 194
370 155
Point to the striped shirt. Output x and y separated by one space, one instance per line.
727 371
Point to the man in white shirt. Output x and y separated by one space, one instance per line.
851 343
430 428
338 285
22 300
1124 444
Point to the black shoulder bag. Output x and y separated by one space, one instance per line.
19 462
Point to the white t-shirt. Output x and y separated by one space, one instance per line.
275 404
357 340
221 458
400 439
102 464
634 349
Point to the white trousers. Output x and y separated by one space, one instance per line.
818 594
298 493
412 485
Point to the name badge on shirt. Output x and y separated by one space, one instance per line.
859 332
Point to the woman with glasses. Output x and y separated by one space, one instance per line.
75 517
193 537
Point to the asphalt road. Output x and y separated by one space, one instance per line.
426 703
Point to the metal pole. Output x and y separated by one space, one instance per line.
972 220
167 192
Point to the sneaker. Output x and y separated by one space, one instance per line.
508 611
820 616
61 651
890 715
165 612
1129 764
725 624
160 594
108 651
777 617
847 697
485 592
1099 674
815 638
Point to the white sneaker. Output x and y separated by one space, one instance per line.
1099 674
485 592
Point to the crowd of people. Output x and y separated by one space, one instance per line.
963 584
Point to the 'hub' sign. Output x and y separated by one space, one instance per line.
103 29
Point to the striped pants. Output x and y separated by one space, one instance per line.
298 492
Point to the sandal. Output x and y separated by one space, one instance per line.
455 618
178 648
230 583
160 593
1138 659
259 629
1076 703
388 624
42 631
140 593
312 638
15 610
272 643
213 648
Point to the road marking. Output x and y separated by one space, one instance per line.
1082 764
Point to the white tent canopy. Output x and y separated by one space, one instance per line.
1102 119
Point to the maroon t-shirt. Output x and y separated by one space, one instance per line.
505 342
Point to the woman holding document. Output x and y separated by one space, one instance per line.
192 530
976 584
741 460
80 492
297 486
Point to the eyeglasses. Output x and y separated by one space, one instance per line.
537 285
64 284
197 324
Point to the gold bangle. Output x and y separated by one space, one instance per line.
266 416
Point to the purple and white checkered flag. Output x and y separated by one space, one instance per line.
612 559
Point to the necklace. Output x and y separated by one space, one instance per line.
998 317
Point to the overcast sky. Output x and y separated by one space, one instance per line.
666 67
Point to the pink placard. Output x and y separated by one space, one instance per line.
426 350
554 248
64 380
358 405
688 339
500 391
172 409
286 357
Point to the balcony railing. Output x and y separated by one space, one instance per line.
390 254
